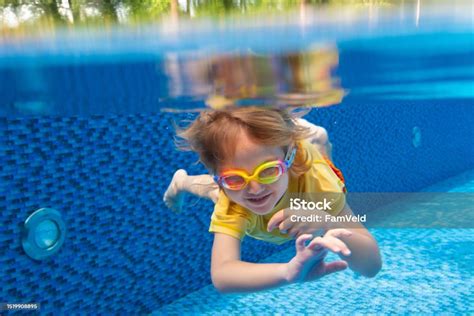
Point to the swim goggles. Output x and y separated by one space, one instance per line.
266 173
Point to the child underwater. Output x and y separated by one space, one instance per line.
260 157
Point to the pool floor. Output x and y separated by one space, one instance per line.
425 271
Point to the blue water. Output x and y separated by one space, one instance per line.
424 271
82 131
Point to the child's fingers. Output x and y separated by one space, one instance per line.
286 225
318 243
326 242
275 220
340 245
294 232
300 241
327 268
339 232
335 266
319 254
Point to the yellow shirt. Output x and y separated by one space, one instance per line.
233 219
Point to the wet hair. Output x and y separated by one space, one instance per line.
213 135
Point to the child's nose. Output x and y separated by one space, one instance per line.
255 187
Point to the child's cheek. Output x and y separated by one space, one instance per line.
280 187
235 196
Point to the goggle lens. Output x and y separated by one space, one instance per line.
233 182
270 174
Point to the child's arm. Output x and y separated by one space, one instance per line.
230 274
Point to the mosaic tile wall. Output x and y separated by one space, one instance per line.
124 251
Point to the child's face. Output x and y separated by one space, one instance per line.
257 197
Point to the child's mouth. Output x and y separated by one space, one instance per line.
259 200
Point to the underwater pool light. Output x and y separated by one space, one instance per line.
43 233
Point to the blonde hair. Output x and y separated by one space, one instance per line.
213 135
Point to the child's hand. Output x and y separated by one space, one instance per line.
308 263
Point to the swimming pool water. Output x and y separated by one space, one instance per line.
82 131
424 271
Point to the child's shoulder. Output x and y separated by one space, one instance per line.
322 174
